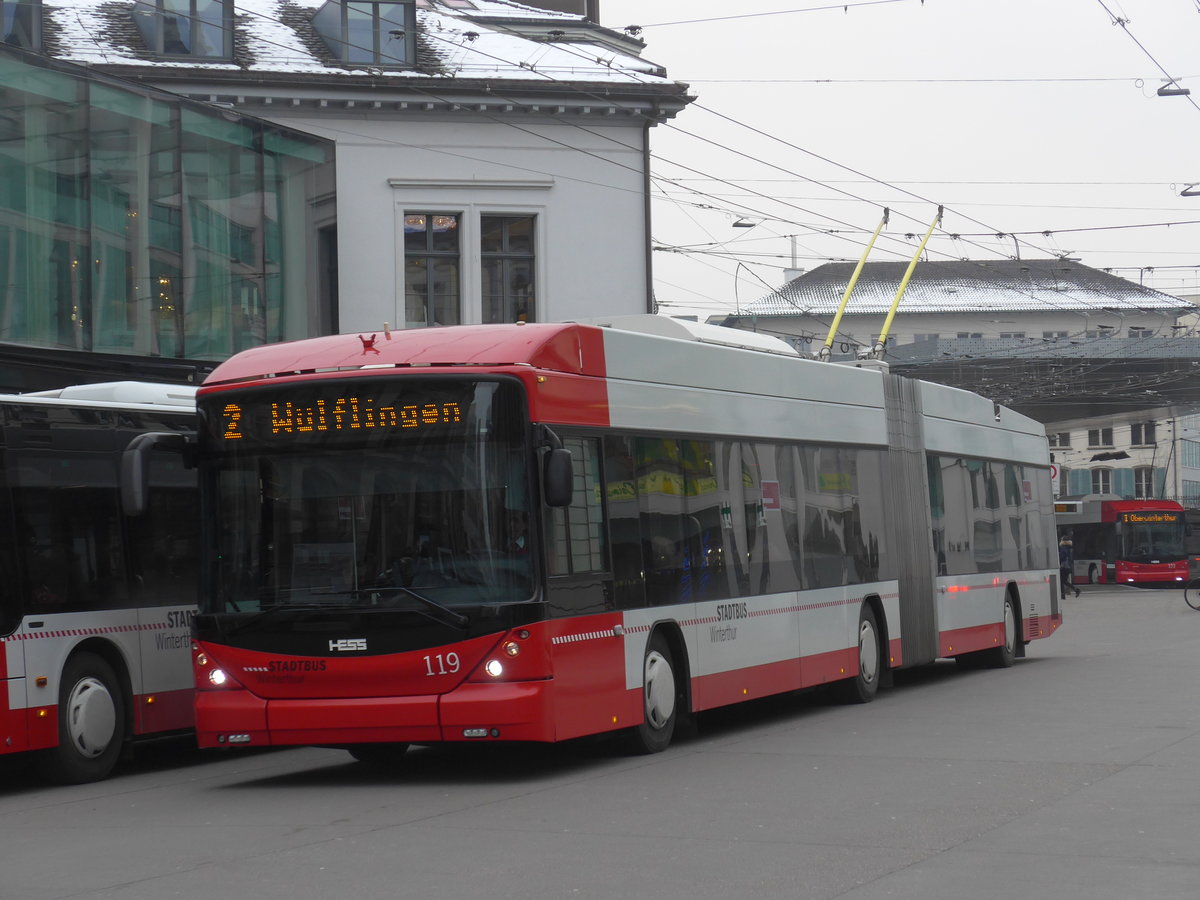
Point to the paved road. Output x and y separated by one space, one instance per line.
1075 774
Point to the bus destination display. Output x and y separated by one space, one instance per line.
1155 517
350 413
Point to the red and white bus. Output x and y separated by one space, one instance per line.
96 606
538 532
1125 541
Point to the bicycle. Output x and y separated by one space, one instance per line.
1191 593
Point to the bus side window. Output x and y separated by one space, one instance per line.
70 527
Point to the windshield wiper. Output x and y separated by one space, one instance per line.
439 612
270 612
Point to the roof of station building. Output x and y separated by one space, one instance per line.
964 286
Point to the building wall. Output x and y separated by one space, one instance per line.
584 185
1172 457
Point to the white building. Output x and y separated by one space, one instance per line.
1027 303
492 158
1154 453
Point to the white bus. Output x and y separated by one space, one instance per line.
95 605
399 553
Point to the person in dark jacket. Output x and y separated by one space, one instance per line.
1066 567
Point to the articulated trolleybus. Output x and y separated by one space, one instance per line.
542 531
96 604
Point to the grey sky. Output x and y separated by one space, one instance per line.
1017 115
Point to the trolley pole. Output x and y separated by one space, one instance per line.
877 350
826 351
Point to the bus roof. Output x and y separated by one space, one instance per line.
570 348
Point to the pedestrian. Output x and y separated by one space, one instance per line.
1066 567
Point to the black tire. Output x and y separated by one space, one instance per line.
863 687
660 699
379 756
1006 654
91 723
1191 594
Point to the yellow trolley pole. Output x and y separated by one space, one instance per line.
826 351
877 350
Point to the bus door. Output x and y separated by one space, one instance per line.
163 560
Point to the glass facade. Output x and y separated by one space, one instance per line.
135 223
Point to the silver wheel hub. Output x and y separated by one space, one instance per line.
91 717
1010 628
868 653
660 690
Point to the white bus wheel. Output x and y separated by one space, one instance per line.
91 723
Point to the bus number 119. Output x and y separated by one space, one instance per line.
439 665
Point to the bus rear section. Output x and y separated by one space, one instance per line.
392 557
96 611
1125 541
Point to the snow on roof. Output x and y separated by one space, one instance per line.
963 286
276 36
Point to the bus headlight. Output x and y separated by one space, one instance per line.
217 677
494 668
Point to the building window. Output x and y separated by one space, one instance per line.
21 23
379 33
1191 493
1059 438
970 334
1189 454
1015 335
1141 434
198 28
506 248
1140 332
922 338
432 267
1100 437
1054 335
1064 481
1143 483
1101 481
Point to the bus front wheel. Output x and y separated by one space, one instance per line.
378 756
91 723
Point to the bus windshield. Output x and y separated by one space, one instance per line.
1156 539
400 492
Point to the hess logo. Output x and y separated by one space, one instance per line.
345 645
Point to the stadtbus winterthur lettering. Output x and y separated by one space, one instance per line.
343 414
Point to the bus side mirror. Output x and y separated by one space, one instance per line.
135 467
558 480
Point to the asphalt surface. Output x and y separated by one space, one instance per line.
1074 774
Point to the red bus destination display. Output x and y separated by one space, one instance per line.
347 413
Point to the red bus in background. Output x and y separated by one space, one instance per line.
1125 541
536 532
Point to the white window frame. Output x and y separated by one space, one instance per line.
461 196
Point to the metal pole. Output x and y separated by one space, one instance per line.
877 350
825 352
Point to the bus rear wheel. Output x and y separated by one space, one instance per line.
863 687
660 694
91 723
